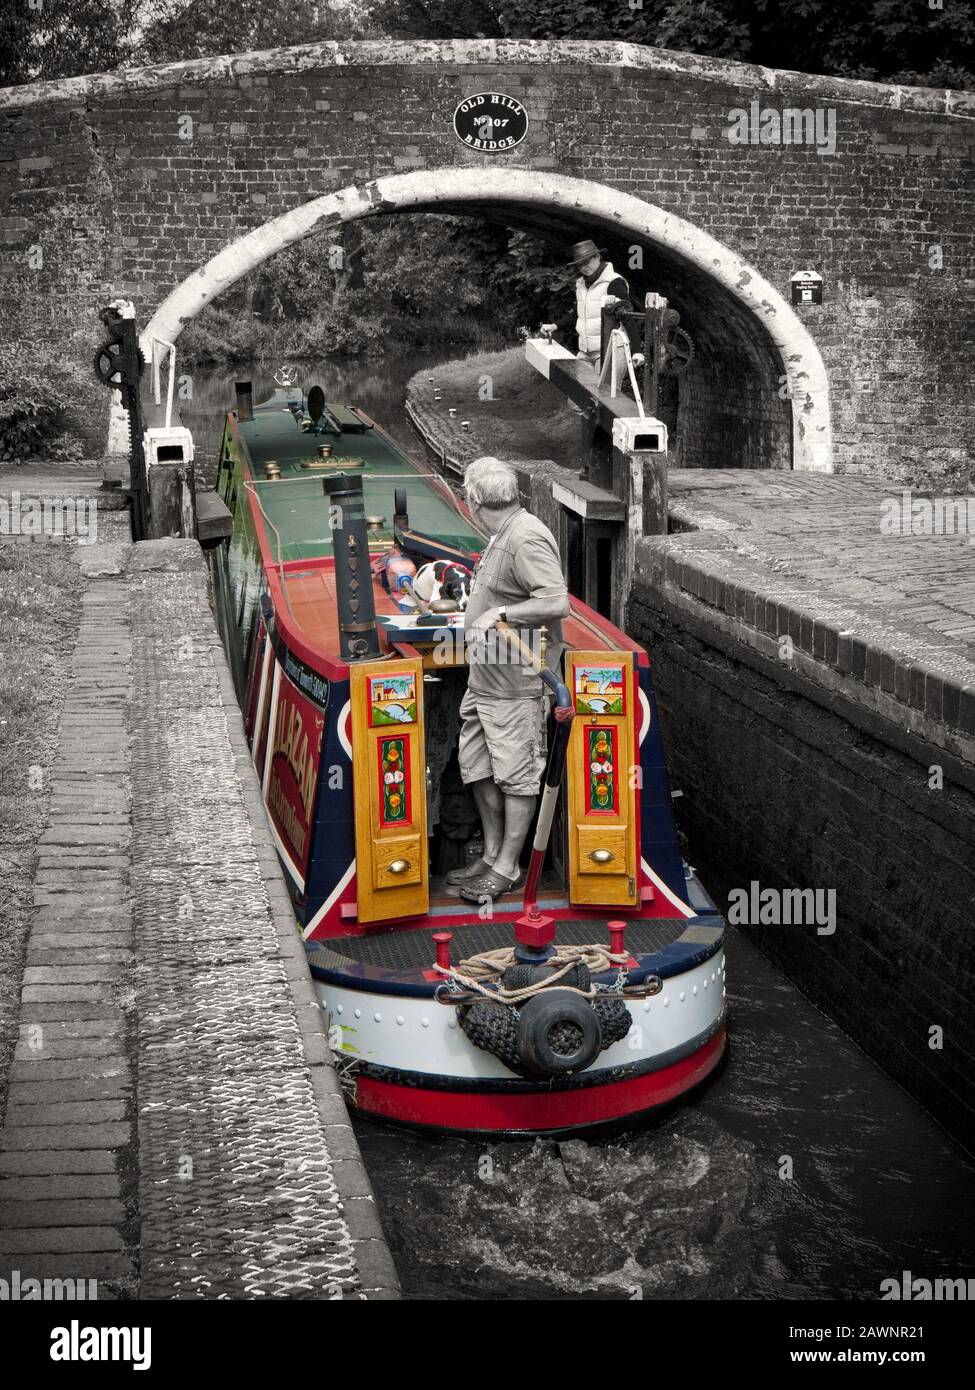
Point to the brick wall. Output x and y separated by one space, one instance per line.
794 786
104 163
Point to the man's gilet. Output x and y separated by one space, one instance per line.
589 305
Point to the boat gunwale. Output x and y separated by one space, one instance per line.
402 982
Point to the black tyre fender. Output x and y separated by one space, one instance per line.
540 1017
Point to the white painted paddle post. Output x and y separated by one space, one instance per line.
168 448
621 492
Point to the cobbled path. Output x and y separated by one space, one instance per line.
174 1127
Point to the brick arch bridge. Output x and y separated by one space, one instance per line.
165 184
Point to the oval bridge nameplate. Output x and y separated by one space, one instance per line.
491 122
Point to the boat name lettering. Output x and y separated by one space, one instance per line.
285 813
292 743
309 682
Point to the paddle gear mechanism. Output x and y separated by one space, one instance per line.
678 346
119 364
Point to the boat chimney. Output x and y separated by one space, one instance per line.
353 575
245 400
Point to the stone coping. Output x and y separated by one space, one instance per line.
489 54
888 622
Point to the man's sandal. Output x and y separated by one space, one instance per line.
469 871
490 885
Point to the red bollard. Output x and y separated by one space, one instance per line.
443 940
617 931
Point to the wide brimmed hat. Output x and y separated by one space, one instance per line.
583 250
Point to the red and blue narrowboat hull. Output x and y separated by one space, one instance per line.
363 849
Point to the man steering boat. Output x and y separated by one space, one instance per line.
501 753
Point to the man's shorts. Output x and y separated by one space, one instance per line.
503 740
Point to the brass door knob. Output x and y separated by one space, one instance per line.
601 856
399 866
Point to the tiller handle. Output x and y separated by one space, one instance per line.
564 713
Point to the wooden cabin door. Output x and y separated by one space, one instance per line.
601 790
390 790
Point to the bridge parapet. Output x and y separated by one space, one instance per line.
133 183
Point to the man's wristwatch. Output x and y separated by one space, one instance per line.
502 615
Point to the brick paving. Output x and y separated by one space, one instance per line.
66 1151
174 1126
890 616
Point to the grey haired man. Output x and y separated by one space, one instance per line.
518 581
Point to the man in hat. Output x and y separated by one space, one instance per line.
597 282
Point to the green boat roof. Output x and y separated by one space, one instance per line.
297 509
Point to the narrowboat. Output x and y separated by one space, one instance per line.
592 996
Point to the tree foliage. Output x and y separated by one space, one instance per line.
46 39
43 400
407 281
885 40
183 29
909 41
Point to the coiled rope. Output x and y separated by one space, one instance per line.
477 972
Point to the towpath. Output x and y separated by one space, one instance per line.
174 1127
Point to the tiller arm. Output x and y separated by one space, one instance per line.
564 713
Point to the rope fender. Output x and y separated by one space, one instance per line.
541 1020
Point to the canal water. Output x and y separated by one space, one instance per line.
800 1171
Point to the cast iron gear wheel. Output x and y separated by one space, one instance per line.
108 367
678 351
